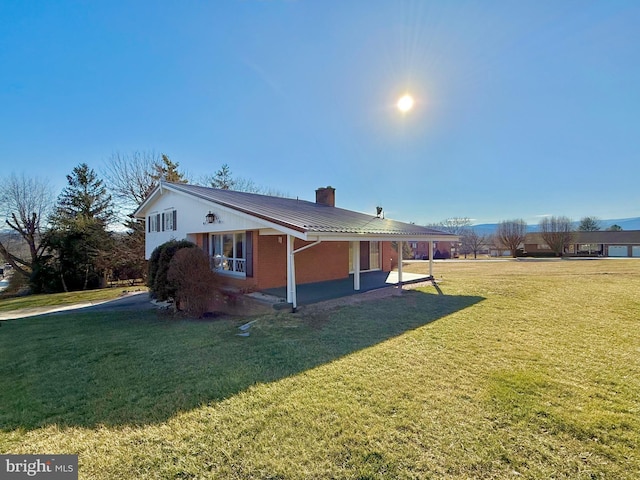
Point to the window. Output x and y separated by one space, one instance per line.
369 256
374 255
161 222
169 220
590 248
153 223
229 253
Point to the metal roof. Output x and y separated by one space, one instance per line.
303 216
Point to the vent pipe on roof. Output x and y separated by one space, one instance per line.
326 196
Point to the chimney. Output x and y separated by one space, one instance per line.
326 196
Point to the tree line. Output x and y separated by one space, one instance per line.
85 235
556 231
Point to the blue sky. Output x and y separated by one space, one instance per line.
523 108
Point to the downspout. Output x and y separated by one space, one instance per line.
307 246
356 265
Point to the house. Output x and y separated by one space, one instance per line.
258 242
624 243
440 250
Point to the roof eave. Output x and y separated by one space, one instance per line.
381 237
141 208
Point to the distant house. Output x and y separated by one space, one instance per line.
606 243
441 250
258 242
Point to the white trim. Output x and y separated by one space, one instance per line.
431 258
356 264
379 237
317 242
400 246
291 273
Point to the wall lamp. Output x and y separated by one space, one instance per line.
210 217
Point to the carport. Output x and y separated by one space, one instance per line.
310 293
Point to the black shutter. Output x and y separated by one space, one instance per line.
249 255
163 222
175 220
149 223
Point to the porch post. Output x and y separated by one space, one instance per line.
431 258
291 273
355 249
400 247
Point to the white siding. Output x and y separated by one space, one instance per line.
190 220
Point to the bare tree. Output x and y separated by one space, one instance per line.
473 242
454 225
511 234
25 204
130 177
557 232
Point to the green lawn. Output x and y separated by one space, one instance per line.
8 304
521 370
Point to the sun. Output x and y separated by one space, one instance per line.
405 103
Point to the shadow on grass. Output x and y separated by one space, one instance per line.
136 368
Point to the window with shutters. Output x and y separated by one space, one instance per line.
169 220
153 222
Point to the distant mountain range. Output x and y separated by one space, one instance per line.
625 223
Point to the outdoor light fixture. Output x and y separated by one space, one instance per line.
210 217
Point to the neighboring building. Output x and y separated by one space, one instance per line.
258 242
604 243
440 250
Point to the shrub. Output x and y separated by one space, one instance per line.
159 266
194 283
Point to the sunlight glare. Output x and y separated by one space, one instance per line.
405 103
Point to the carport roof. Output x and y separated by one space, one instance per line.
308 218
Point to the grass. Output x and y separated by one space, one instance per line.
522 369
8 304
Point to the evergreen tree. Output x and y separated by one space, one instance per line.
589 224
81 245
223 179
168 171
85 197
